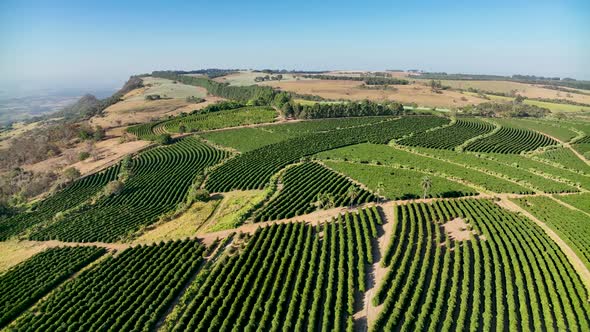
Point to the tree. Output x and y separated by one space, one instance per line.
83 155
352 194
99 133
379 190
164 139
426 185
71 174
331 201
182 129
320 200
113 188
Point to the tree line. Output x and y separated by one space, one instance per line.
368 80
339 110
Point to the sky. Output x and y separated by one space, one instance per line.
101 43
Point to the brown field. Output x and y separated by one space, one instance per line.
108 152
351 90
527 90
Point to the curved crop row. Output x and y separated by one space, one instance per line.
304 187
215 120
450 137
129 292
73 195
27 282
512 141
253 169
571 225
289 277
508 274
160 180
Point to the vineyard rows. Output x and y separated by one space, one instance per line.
129 292
450 137
302 186
566 158
27 282
386 155
518 174
509 276
253 169
205 121
160 180
511 141
216 120
289 277
73 195
572 226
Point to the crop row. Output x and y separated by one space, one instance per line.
127 292
304 190
386 155
216 120
508 276
73 195
511 141
572 226
513 171
27 282
159 181
289 277
253 169
450 137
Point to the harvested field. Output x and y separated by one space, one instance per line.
353 90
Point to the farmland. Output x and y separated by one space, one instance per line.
257 213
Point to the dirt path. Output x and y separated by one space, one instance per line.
375 273
569 146
576 262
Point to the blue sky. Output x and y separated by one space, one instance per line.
101 43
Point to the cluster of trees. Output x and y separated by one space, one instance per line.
209 72
338 110
512 110
268 78
260 94
369 80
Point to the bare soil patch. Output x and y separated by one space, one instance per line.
458 230
353 90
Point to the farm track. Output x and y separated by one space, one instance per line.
366 313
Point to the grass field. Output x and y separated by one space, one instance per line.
232 208
386 155
186 225
399 183
168 89
247 78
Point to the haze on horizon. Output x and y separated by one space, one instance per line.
100 44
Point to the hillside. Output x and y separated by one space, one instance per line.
208 203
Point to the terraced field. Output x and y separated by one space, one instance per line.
27 282
253 169
73 195
288 277
399 183
450 137
511 141
205 121
160 180
386 155
129 292
507 274
572 226
304 188
566 158
248 139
